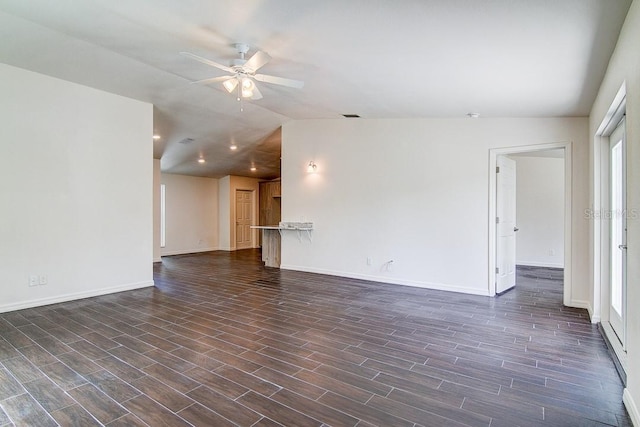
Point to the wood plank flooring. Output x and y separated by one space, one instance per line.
222 341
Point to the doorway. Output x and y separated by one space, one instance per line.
244 210
618 232
502 240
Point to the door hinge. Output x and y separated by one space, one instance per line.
497 220
497 270
497 169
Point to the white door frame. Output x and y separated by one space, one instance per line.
493 155
600 231
234 237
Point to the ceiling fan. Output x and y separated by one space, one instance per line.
243 73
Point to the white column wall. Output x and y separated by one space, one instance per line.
224 212
156 210
76 171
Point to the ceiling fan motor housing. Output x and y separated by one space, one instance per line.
238 63
242 48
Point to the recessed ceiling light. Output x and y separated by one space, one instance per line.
156 137
473 115
253 169
233 147
351 116
201 160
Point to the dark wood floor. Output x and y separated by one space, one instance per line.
222 340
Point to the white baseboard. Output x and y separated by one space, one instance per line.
390 280
615 345
232 249
580 304
586 305
74 296
631 406
187 251
539 264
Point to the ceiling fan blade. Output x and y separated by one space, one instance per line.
207 61
279 81
256 94
213 80
257 60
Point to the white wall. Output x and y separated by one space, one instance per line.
156 210
414 191
224 213
540 211
624 67
191 208
75 187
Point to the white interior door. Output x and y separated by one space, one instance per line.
505 224
244 208
618 232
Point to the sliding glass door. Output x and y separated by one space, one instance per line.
618 232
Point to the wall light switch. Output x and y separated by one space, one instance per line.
33 280
42 280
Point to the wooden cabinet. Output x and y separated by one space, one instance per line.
269 203
271 247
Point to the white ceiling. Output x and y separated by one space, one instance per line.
375 58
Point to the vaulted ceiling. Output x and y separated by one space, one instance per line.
374 58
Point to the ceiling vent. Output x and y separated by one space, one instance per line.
351 116
186 141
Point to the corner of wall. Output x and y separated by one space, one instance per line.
595 318
224 213
631 406
156 210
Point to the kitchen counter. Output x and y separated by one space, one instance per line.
271 239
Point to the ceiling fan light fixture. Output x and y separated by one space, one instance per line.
247 87
230 85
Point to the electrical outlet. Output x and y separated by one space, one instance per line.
42 280
33 280
369 260
389 265
552 252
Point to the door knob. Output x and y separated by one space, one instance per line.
515 229
622 247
